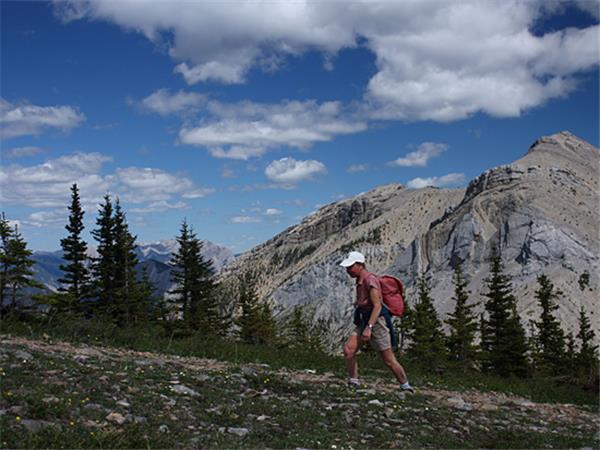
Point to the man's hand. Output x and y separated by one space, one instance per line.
366 334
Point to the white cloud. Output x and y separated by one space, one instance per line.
48 219
25 119
247 129
48 184
441 61
273 212
199 193
356 168
21 152
421 156
164 103
160 206
138 185
290 171
245 219
452 179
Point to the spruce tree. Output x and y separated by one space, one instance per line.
194 284
76 275
587 356
103 268
5 257
126 302
20 273
503 337
255 321
427 338
550 336
462 322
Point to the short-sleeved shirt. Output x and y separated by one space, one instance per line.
364 283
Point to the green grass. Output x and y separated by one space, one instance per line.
153 338
307 415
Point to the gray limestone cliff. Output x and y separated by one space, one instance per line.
541 213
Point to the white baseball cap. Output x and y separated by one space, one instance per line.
353 257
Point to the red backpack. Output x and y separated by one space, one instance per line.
392 292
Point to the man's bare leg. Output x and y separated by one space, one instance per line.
350 350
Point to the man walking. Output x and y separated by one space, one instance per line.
373 322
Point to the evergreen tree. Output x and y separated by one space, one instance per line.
103 268
20 273
587 356
194 289
550 336
462 322
503 337
300 334
127 302
427 338
76 275
571 351
255 322
5 257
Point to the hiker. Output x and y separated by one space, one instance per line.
373 323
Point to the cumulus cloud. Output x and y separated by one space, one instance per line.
138 185
48 219
48 185
245 219
421 156
21 152
441 61
290 171
160 206
25 119
356 168
452 179
247 129
164 102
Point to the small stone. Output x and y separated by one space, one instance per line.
375 403
50 399
238 431
94 407
262 418
163 428
388 412
20 354
184 390
124 403
33 426
116 418
139 419
310 371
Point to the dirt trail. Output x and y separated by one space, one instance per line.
462 400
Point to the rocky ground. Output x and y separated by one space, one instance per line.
58 395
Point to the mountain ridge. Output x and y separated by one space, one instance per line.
540 212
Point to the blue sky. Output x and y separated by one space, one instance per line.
244 117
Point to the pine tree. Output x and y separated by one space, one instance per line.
103 268
462 322
503 337
427 338
76 275
587 356
550 336
5 257
194 289
255 322
20 273
126 301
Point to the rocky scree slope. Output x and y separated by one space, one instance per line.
541 212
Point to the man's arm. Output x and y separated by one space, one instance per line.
376 300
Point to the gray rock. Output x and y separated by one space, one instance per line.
163 429
33 426
20 354
184 390
238 431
